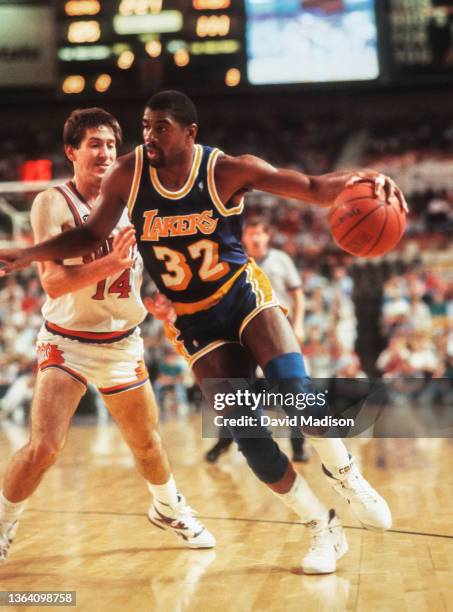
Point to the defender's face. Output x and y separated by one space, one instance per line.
96 152
164 138
256 241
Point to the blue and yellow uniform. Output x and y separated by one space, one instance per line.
190 242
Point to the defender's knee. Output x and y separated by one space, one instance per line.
149 449
43 453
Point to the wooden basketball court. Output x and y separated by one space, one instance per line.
86 530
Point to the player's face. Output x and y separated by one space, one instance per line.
165 139
256 241
96 152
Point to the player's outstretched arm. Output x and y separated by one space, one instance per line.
80 240
250 172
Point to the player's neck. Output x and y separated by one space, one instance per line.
89 190
175 176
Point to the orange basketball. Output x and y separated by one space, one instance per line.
364 225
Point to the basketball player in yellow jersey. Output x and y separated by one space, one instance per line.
180 197
90 334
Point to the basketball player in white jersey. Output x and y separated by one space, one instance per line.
90 335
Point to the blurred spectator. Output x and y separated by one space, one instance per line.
170 383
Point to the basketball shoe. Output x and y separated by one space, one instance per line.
328 545
7 533
181 521
369 507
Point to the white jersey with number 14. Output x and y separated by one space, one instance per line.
111 305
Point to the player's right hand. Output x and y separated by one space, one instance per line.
384 187
123 248
13 260
160 307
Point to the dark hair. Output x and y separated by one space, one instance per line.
175 102
82 119
257 222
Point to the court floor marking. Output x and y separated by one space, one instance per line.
240 519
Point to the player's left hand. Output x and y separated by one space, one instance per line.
13 260
384 187
160 307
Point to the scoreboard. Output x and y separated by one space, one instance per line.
150 44
419 39
90 47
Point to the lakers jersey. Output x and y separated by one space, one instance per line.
189 239
108 307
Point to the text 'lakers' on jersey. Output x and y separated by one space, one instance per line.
189 239
104 310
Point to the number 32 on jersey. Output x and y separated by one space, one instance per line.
179 274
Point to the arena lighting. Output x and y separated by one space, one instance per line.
210 5
102 83
167 21
125 60
82 54
73 84
118 48
175 45
232 77
84 31
139 7
215 47
181 57
77 8
153 48
212 25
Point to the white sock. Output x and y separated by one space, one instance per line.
165 493
9 511
301 499
332 452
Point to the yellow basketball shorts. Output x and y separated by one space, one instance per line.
198 333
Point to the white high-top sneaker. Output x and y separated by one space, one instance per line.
369 507
328 545
181 521
7 533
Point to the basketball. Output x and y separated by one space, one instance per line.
363 224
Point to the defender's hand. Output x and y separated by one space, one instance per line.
123 248
160 307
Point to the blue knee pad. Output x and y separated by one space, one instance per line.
264 457
262 453
289 365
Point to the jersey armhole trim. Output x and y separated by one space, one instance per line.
136 180
226 212
72 207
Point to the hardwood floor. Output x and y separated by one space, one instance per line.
85 529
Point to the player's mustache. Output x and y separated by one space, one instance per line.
152 148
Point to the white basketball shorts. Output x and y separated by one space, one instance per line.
113 368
